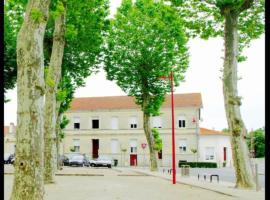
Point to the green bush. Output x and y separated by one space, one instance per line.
198 164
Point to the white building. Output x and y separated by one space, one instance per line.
215 146
113 126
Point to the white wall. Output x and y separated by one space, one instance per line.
218 142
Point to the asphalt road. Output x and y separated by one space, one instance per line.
225 174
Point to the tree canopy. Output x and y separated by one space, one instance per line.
146 41
258 137
205 19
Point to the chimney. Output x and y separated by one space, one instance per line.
11 128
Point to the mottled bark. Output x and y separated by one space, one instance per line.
52 81
57 131
243 170
150 141
28 177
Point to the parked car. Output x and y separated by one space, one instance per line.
66 158
8 158
102 161
79 160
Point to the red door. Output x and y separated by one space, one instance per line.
224 154
133 160
95 147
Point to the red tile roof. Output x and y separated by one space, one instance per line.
205 131
126 102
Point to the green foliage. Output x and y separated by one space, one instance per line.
145 41
12 21
72 149
36 15
198 164
48 77
258 142
85 26
59 8
64 122
157 139
193 150
205 19
225 130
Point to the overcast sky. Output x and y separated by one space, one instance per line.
203 76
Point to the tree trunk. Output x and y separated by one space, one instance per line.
243 170
150 141
52 82
57 131
28 178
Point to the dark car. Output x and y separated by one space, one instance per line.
66 158
8 158
79 160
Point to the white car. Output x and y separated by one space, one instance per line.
102 161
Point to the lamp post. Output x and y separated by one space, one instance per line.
194 121
173 137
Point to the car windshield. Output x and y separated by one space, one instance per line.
77 158
104 158
70 156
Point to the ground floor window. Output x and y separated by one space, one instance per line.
209 153
76 144
182 144
133 149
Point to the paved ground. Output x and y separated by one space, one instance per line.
117 184
82 183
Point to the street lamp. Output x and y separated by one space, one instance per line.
173 137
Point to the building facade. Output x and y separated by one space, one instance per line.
113 126
9 138
215 146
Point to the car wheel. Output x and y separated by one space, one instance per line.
109 166
92 165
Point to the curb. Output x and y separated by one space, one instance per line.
189 184
11 173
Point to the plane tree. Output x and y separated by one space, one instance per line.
72 48
146 41
28 179
237 22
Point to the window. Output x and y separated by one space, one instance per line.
133 122
157 122
209 153
181 122
76 121
160 154
115 146
95 123
182 144
76 144
133 146
133 149
114 122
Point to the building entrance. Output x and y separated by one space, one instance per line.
95 147
133 160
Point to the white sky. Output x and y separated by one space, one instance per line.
202 76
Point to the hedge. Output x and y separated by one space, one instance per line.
198 164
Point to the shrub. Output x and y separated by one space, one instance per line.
198 164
